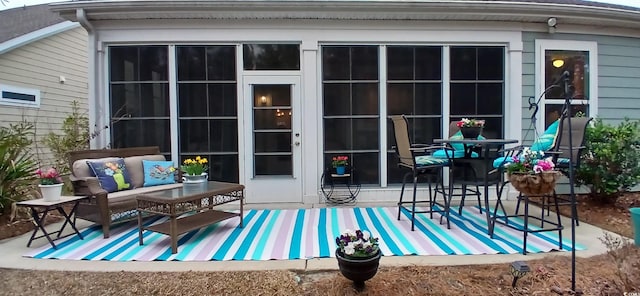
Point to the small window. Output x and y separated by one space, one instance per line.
18 96
271 56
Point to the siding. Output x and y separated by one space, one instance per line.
39 65
618 74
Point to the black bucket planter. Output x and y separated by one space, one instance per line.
470 132
358 270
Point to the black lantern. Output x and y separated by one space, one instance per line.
518 270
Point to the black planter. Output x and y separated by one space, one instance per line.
358 270
470 132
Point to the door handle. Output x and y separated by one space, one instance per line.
297 143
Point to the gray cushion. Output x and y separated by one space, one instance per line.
134 167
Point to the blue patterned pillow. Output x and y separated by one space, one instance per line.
158 172
112 175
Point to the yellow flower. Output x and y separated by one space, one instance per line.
195 166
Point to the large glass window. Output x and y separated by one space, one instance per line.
207 108
414 88
271 56
574 65
139 97
477 86
351 108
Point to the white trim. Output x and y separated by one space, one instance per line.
173 104
541 46
20 90
382 97
25 39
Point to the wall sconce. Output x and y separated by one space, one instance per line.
558 63
263 99
518 270
551 23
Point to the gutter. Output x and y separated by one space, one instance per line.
95 58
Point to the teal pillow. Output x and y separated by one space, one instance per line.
547 139
158 172
112 175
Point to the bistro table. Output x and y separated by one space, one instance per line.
489 148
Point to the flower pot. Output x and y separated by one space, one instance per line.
470 132
358 270
195 179
635 218
340 170
534 184
51 192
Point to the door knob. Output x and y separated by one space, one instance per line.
297 143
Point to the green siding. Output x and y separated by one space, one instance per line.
618 74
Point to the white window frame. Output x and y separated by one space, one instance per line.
542 45
20 90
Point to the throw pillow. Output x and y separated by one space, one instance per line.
111 174
547 139
158 172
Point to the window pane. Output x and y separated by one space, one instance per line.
141 132
463 63
337 99
224 168
364 63
400 98
192 63
365 99
490 98
198 135
574 62
335 63
428 99
221 63
273 165
490 63
463 98
140 100
553 111
400 63
272 142
428 63
271 56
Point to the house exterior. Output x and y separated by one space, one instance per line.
270 91
43 69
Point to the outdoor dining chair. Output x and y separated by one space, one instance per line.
419 162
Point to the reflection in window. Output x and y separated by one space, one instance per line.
271 56
351 107
576 63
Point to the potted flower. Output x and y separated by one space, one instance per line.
532 174
50 183
194 170
358 256
340 163
470 128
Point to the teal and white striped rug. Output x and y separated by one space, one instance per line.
300 234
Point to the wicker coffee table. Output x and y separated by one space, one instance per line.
196 199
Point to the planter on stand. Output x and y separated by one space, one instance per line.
189 179
534 184
51 192
470 132
358 270
340 170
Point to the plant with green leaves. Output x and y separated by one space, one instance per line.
75 136
16 164
611 164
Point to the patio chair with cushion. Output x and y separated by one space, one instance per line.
420 163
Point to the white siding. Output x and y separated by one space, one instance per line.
39 65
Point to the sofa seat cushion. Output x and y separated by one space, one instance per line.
129 195
134 165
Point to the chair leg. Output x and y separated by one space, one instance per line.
559 219
413 204
462 197
479 201
404 182
526 225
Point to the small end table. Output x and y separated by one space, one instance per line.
39 210
349 181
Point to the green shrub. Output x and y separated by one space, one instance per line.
611 164
75 136
17 165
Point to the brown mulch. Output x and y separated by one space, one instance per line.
610 274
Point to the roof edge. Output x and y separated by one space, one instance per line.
34 36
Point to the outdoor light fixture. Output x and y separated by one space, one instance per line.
552 22
263 99
518 270
558 63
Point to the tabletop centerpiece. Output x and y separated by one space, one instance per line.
358 255
50 184
531 174
194 170
470 128
339 163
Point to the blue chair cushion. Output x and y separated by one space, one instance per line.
501 161
427 160
458 148
158 172
112 175
547 139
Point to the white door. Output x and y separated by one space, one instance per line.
272 143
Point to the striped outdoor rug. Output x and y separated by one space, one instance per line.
302 233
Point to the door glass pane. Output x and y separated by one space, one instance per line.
576 63
272 113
